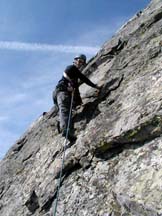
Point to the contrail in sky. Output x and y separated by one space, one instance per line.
23 46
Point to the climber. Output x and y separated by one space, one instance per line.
64 89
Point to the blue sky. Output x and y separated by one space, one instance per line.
37 40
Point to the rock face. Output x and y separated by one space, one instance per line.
115 166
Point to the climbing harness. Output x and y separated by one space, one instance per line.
63 158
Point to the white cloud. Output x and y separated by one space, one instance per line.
16 45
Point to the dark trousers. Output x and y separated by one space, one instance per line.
62 100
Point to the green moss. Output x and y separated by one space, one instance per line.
103 146
140 131
145 131
19 171
131 134
116 209
156 121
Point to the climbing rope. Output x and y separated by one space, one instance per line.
63 158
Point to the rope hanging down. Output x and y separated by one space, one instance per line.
63 158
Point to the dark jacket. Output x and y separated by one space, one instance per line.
73 74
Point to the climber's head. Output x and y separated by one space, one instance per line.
80 60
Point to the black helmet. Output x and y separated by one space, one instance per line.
81 56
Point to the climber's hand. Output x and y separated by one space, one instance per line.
70 89
98 89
